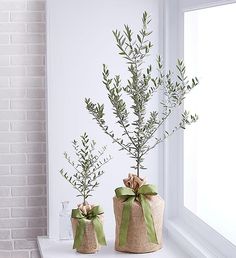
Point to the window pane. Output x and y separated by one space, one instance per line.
210 144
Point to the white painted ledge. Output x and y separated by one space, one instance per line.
50 248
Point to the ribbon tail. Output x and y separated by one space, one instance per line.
125 220
79 235
147 213
98 227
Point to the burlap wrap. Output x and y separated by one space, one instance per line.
90 243
137 239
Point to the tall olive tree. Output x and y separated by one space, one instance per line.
140 134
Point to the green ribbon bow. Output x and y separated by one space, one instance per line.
129 196
80 230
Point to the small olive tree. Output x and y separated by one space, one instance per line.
87 166
139 135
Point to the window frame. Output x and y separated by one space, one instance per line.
192 233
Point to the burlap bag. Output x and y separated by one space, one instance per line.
137 239
90 243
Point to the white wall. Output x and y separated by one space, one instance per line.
80 40
22 127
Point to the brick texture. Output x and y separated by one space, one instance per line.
22 127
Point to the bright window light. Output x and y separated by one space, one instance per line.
210 144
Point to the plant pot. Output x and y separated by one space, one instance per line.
89 243
137 238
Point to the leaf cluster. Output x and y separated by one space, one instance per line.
87 166
139 135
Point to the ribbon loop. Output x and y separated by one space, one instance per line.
129 195
94 212
76 214
147 190
123 192
93 215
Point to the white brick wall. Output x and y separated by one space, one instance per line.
22 127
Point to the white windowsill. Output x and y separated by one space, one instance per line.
189 239
50 248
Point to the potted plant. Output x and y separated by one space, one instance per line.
87 219
137 206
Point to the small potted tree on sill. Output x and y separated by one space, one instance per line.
137 206
87 219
